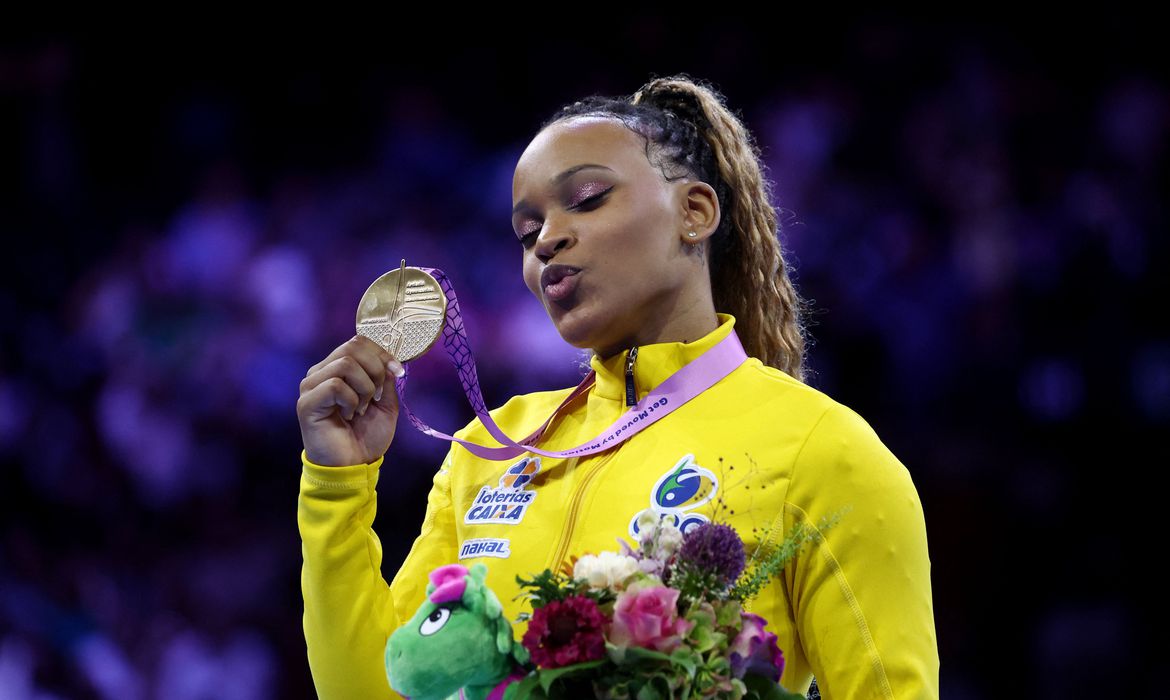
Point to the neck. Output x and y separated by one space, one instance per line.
680 330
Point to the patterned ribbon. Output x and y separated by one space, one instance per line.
682 386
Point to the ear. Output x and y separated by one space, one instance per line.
699 210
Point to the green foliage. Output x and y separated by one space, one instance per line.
760 688
547 586
563 682
768 560
728 614
705 635
696 585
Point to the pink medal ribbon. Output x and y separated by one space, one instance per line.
682 386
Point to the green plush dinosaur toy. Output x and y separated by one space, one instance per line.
458 644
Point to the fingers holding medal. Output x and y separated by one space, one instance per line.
346 411
363 369
348 405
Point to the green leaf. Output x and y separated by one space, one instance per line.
648 692
710 640
633 654
523 689
549 675
686 658
728 614
765 689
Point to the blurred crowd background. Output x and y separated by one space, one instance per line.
977 211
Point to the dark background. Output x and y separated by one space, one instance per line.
977 210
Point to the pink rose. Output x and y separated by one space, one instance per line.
647 617
754 650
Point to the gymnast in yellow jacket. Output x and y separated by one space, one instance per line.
657 209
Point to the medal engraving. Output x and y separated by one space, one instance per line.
403 312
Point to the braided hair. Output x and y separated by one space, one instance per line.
689 132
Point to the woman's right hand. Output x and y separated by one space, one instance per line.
348 408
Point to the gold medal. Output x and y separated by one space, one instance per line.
403 311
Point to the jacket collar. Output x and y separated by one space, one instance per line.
653 364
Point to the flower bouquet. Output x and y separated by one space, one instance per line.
665 620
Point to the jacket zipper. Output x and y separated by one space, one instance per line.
631 392
575 507
579 493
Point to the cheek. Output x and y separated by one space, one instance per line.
531 273
648 229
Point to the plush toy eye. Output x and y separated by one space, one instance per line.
434 622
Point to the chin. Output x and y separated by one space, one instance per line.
570 335
587 332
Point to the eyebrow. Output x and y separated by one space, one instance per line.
564 175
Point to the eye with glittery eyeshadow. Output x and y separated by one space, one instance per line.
588 192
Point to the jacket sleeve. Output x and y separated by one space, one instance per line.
350 611
861 596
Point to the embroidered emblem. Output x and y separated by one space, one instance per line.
680 490
485 547
507 503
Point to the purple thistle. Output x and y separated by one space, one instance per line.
716 549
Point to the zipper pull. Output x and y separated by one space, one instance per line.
631 394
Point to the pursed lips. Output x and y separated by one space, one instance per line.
555 273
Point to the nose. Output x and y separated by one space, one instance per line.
551 239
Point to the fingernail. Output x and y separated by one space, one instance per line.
378 393
395 367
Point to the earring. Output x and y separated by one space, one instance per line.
692 234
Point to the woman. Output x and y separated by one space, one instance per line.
648 236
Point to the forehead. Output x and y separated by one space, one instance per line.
602 140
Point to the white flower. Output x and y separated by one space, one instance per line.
605 570
657 536
669 541
647 518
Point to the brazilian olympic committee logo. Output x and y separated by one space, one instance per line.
507 503
683 488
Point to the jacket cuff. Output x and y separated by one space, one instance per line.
356 476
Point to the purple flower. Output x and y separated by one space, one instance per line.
754 650
716 549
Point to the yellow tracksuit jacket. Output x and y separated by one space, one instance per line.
854 610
